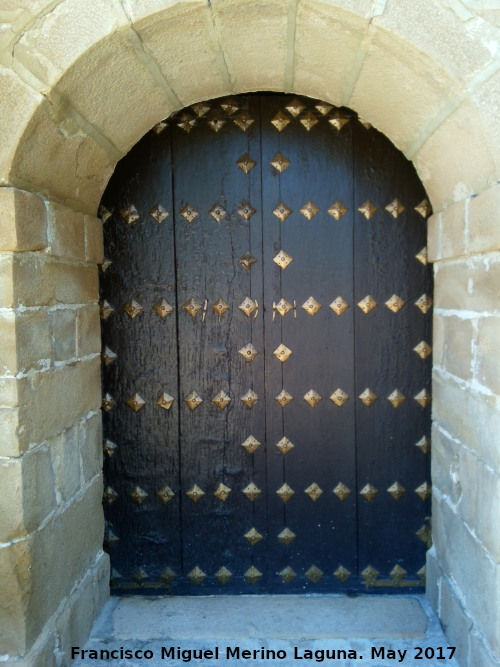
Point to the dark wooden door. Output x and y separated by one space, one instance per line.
266 365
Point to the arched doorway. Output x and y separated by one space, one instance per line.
266 323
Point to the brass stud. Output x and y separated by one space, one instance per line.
138 495
286 536
283 307
247 306
110 539
160 127
196 576
165 401
108 356
341 491
221 400
283 398
368 397
338 306
287 574
323 108
216 122
200 109
193 400
248 352
368 492
132 308
424 208
396 490
247 261
338 120
295 107
104 213
424 533
423 398
109 448
187 122
423 444
223 575
251 444
395 303
220 307
130 214
282 211
105 309
285 445
337 210
314 574
167 576
217 212
109 496
252 536
162 308
191 307
158 213
423 349
106 263
312 398
285 492
189 213
422 256
136 402
370 575
280 121
282 259
246 211
367 304
339 397
313 491
108 402
243 120
280 162
397 574
165 494
250 398
396 398
222 492
140 576
421 575
252 575
309 120
229 106
424 491
395 208
282 353
252 491
245 163
309 209
424 303
367 209
311 306
365 123
342 573
195 493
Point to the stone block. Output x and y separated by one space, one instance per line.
479 653
452 348
487 509
14 392
487 98
66 232
433 575
88 327
94 251
23 220
101 572
471 284
456 623
26 341
434 237
488 353
445 465
90 442
65 456
44 652
15 585
75 622
484 221
28 495
63 331
12 443
449 239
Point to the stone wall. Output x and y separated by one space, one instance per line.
80 83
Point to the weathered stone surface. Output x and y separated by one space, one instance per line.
94 251
15 585
65 457
484 230
90 442
452 348
63 330
456 623
26 341
487 509
66 232
445 465
433 574
479 653
447 233
488 353
468 284
23 220
88 327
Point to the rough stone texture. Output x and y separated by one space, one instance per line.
65 455
66 232
488 357
483 221
88 330
448 233
26 341
94 251
469 284
63 331
455 622
452 345
23 220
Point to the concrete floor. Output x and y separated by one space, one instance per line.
372 631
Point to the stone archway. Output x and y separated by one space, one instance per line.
81 84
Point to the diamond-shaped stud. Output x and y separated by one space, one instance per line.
314 574
423 349
158 213
245 163
370 575
295 107
285 445
339 397
338 306
364 123
368 397
136 402
396 398
186 122
312 398
189 213
282 211
367 209
195 493
167 576
282 259
108 356
109 448
105 309
138 495
395 303
282 352
251 444
110 539
341 491
308 120
229 106
423 444
398 574
337 210
422 256
395 208
162 308
309 209
280 162
311 306
252 536
287 574
108 402
424 491
193 400
248 352
313 491
286 536
223 575
216 122
252 575
424 533
106 263
222 492
367 304
165 494
243 120
246 211
283 307
220 307
132 308
396 490
424 208
221 400
285 492
200 109
165 401
196 576
423 398
369 492
323 108
283 398
160 127
424 303
109 496
250 398
140 576
191 307
104 213
247 306
342 573
217 212
338 120
130 214
280 121
247 261
252 491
